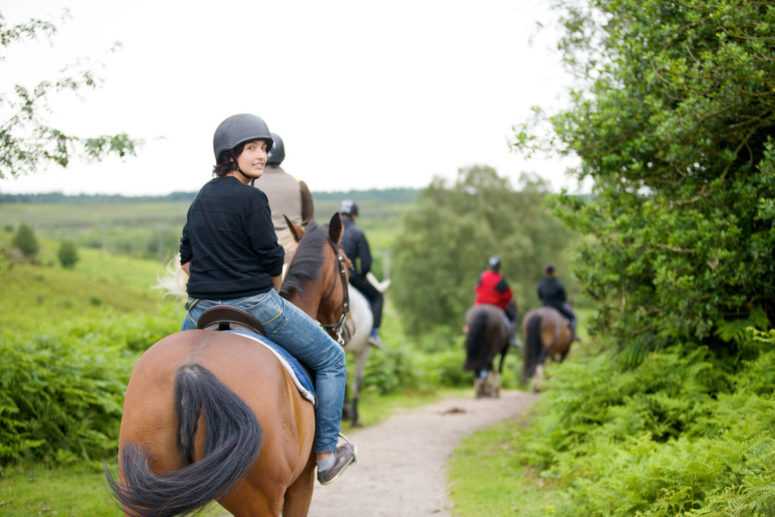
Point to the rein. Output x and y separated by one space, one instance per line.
338 330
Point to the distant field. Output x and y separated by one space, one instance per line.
151 228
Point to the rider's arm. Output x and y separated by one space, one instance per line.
185 248
561 294
504 291
364 253
277 282
307 205
263 239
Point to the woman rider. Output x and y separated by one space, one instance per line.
230 250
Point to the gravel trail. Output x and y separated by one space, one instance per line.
402 462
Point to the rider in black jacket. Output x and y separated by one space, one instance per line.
356 247
552 294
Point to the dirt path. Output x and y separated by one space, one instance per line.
401 470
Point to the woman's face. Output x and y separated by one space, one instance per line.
252 159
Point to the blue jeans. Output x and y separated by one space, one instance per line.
288 326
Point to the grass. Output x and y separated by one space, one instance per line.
78 490
45 298
486 478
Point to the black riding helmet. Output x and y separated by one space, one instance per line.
239 129
277 155
349 207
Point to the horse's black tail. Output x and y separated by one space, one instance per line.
232 443
477 355
533 346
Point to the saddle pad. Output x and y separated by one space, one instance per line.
297 371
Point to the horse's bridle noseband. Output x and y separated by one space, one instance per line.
338 330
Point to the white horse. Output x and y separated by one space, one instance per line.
359 325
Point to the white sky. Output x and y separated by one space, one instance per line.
364 94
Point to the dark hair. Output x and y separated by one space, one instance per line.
549 269
227 161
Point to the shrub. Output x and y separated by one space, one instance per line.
679 434
390 370
67 254
59 400
26 241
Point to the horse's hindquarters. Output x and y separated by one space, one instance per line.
250 372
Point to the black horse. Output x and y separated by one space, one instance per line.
487 335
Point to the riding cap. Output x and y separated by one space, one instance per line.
494 262
277 155
349 207
239 129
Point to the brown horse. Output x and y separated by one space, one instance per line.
487 335
547 334
213 415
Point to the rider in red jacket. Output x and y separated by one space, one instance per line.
492 288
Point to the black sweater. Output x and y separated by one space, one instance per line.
230 241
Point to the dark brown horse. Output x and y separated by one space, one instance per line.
547 334
213 415
487 335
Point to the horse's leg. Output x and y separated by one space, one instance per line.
299 494
249 500
346 409
503 358
360 369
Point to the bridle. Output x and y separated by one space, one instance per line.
339 329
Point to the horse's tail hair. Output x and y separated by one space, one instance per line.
533 346
231 444
474 338
173 281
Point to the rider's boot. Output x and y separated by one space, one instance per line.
374 339
574 335
344 456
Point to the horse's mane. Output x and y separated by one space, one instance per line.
307 262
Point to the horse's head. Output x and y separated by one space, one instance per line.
317 278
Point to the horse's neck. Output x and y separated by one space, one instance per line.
307 300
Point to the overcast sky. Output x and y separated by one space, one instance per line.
364 94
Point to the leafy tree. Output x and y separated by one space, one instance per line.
674 122
26 241
68 254
448 235
27 140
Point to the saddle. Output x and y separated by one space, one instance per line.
227 315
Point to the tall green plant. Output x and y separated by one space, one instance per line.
67 254
675 125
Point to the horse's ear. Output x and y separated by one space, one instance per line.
296 230
335 228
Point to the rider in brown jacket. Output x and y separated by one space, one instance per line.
287 196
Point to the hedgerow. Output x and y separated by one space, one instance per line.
679 434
